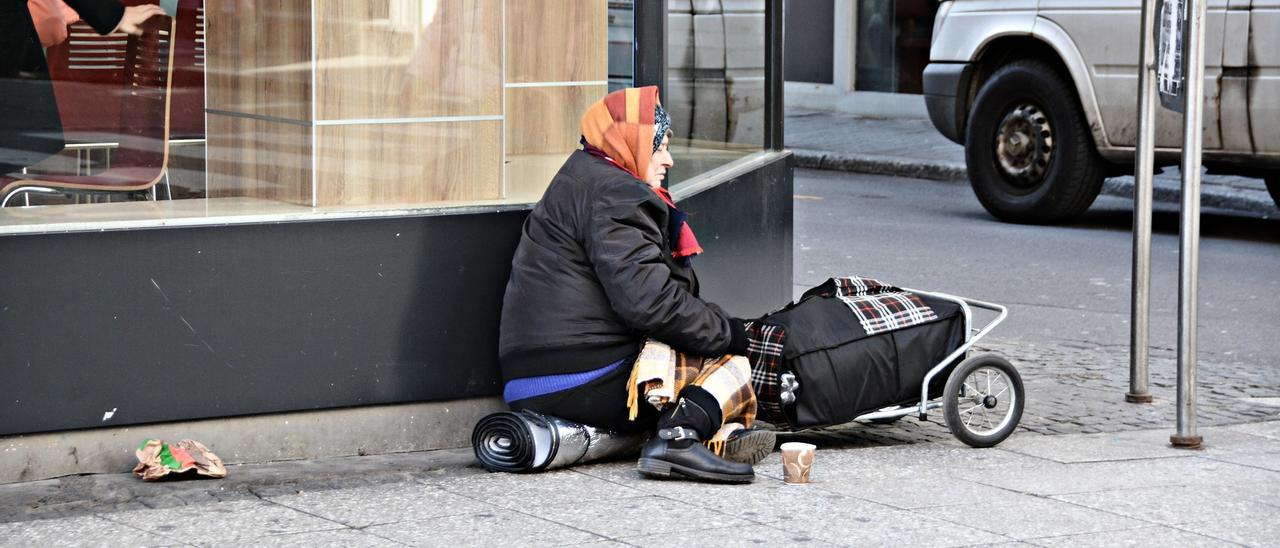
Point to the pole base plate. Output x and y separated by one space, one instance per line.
1137 398
1186 442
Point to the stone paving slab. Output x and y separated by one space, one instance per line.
1106 476
1269 430
76 495
1253 529
929 493
224 522
495 527
1142 537
555 487
1117 446
629 517
766 501
375 505
1175 505
889 528
339 538
1264 458
77 532
717 538
927 490
1031 517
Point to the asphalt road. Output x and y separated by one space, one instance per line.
1064 284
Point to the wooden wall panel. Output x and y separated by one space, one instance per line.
527 176
259 57
259 159
557 40
404 164
541 131
431 59
546 119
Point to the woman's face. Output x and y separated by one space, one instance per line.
659 163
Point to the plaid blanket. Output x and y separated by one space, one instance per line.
879 306
660 373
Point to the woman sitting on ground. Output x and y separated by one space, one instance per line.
604 270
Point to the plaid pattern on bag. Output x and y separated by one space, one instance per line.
764 350
879 306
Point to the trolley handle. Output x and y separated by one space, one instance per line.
970 337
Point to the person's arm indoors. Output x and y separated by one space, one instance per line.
108 16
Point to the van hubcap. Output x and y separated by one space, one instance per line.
1024 145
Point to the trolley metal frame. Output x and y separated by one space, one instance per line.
971 337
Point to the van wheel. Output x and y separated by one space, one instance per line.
1273 186
1028 147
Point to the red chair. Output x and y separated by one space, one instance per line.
82 68
141 161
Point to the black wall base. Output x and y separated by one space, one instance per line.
139 326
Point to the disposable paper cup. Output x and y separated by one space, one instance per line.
797 460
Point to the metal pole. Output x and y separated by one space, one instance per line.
1189 232
773 106
1143 171
649 61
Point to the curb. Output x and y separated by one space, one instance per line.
881 165
956 172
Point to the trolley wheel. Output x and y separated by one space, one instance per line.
983 400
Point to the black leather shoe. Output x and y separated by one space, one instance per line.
681 456
749 445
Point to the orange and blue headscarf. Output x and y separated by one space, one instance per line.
625 129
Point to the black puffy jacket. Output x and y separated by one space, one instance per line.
593 277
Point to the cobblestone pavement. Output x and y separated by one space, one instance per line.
1077 388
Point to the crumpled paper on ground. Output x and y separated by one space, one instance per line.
157 459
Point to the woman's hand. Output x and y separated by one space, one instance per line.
134 16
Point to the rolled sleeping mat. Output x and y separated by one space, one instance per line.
525 441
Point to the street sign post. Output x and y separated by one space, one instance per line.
1172 68
1143 171
1189 228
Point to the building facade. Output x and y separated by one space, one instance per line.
289 234
864 57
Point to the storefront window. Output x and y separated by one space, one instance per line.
893 44
715 83
314 106
231 111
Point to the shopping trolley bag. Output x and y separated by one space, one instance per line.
849 346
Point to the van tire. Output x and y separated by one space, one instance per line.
1029 150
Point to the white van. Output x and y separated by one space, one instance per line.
1044 96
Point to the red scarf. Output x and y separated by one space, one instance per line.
684 244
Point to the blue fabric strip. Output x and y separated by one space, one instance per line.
530 387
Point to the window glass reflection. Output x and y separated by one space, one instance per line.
224 107
715 83
305 104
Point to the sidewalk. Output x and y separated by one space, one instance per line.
913 148
1077 489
